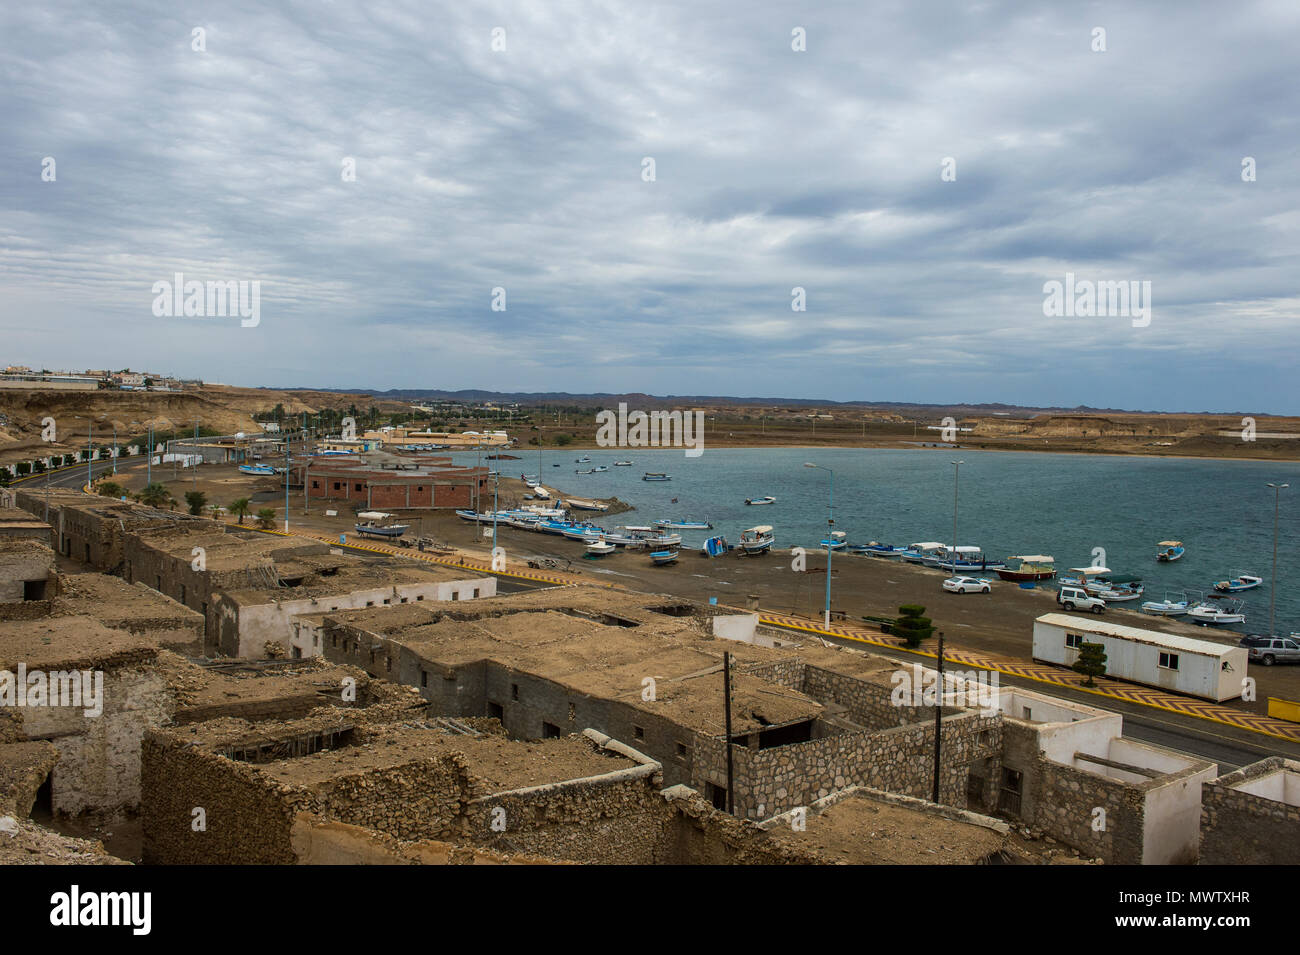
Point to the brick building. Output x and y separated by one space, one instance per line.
386 481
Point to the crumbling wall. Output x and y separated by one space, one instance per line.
1241 828
1067 804
899 760
421 799
24 767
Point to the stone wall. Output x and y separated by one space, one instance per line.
1066 802
1241 828
899 760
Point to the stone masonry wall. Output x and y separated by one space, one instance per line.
1067 798
1240 828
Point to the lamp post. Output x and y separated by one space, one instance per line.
1272 592
287 465
496 480
830 526
956 480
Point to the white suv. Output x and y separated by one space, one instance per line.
1072 598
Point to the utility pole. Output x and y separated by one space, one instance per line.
938 723
1272 591
726 690
196 448
956 479
287 460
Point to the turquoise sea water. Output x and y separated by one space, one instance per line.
1058 504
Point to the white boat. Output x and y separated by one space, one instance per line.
582 460
1238 583
1166 607
917 553
256 469
964 558
661 557
1217 614
583 532
636 535
835 542
685 525
877 549
379 524
757 540
756 501
586 505
622 464
600 548
655 476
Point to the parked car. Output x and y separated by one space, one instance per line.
1270 650
967 585
1075 598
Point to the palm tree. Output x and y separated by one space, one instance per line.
239 508
155 495
266 518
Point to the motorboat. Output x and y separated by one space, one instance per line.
259 470
622 464
757 540
917 553
1116 588
836 541
586 505
685 525
1029 567
1167 607
601 547
877 549
582 460
379 524
637 535
1238 583
963 558
1170 551
1217 614
661 557
655 476
582 532
756 501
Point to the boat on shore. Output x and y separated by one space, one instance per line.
640 535
757 540
582 505
1238 583
757 501
919 552
877 549
379 524
964 558
655 476
715 547
661 557
1029 567
258 470
1170 551
836 541
600 547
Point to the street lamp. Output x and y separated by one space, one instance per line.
830 540
956 481
1272 593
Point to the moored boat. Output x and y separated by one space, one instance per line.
1029 567
836 541
1170 551
963 558
586 505
877 549
1238 583
622 464
655 476
1167 607
1217 614
917 553
756 501
685 525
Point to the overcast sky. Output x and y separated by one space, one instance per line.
524 168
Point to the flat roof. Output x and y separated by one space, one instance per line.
1207 648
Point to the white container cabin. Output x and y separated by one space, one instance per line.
1212 671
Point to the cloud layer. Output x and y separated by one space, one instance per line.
522 168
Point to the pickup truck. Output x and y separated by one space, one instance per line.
1072 598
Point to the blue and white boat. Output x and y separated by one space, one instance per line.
715 547
757 540
257 469
655 476
685 525
835 542
379 524
964 558
661 557
877 549
918 553
1170 551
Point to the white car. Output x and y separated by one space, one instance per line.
967 585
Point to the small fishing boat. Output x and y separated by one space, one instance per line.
1238 583
1029 567
1116 588
582 460
259 470
655 476
919 552
756 501
634 535
962 558
757 540
588 471
1170 551
598 468
622 464
586 505
582 532
1216 614
835 542
685 525
715 547
599 548
379 524
661 557
1167 607
877 549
